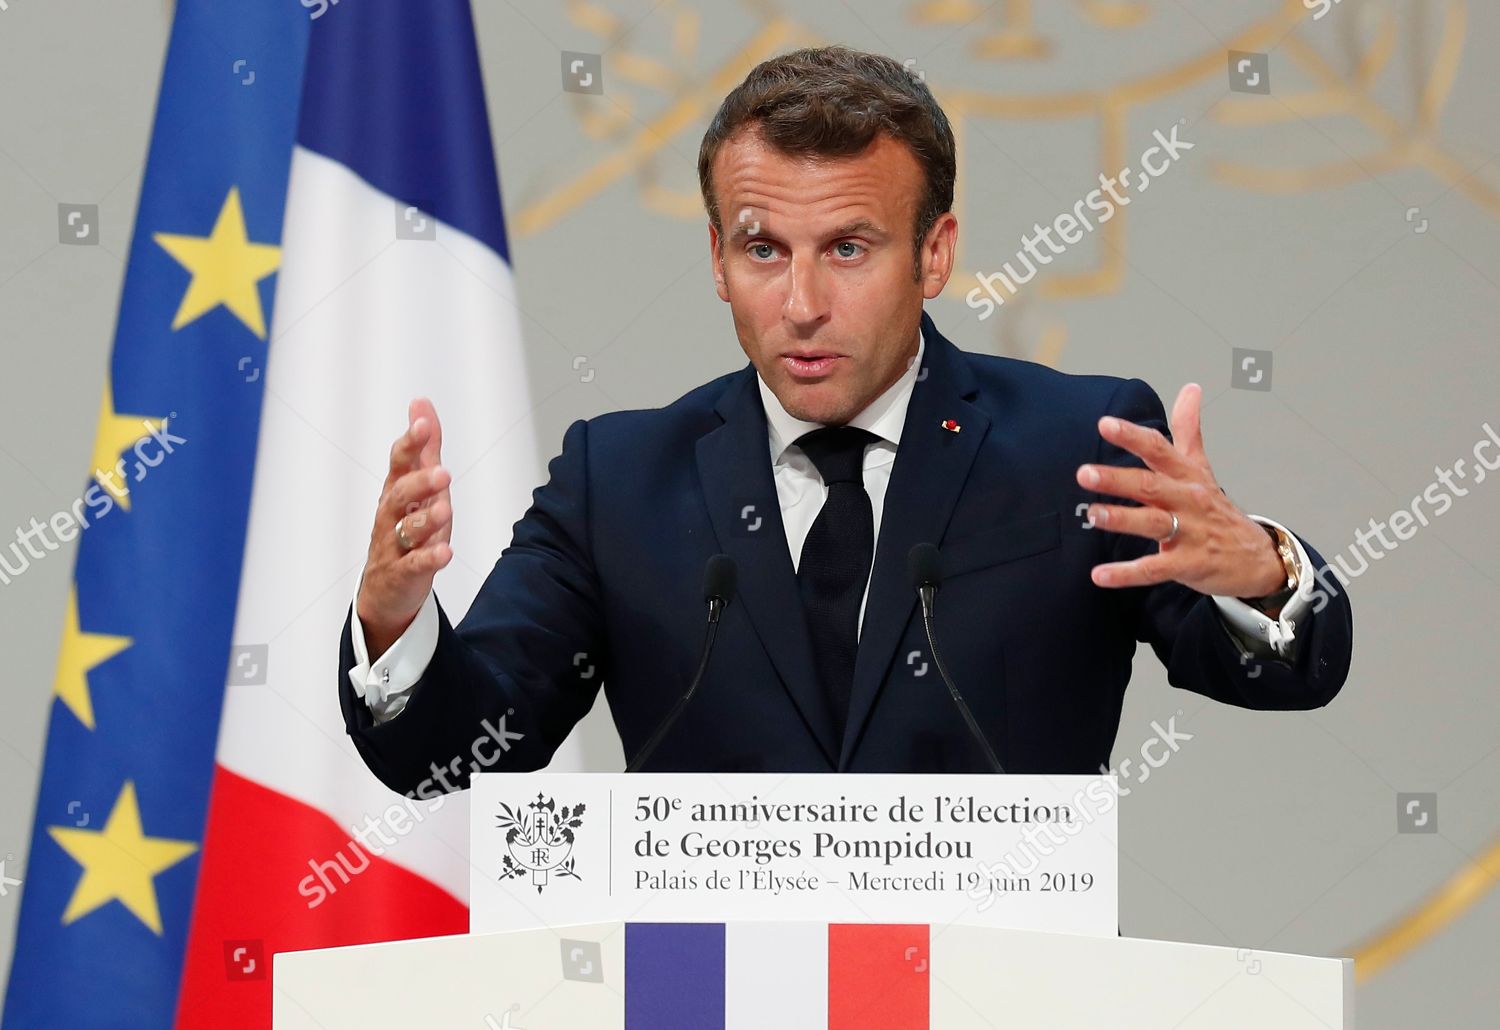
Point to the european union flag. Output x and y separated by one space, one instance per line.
140 678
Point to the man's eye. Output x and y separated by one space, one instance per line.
762 251
854 249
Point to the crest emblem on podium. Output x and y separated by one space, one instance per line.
539 840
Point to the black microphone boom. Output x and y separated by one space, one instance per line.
718 588
926 569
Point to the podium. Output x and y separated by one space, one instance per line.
801 902
804 976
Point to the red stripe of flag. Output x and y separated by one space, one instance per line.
877 977
254 892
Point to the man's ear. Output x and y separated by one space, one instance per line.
716 262
938 251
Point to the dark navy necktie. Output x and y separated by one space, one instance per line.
836 557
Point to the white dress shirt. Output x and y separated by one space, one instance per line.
799 487
386 683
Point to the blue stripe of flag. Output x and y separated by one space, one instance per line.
394 93
674 976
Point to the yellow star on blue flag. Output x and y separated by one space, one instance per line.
119 862
225 265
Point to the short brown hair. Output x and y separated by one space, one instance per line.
832 102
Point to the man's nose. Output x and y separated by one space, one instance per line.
807 294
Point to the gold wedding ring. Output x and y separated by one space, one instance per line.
407 543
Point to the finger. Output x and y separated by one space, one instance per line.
1151 523
406 452
1145 443
421 524
414 488
1145 485
1145 571
1187 426
432 448
426 560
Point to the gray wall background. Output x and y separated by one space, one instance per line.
1289 228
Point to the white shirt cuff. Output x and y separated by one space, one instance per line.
386 683
1258 633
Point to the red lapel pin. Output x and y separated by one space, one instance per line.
950 425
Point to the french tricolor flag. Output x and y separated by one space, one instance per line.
395 283
320 239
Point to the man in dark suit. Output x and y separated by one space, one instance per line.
1073 521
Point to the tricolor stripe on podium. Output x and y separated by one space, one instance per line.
709 976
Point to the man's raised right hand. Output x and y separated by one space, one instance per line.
398 578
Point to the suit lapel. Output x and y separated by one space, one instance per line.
734 466
931 466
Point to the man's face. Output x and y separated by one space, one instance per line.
816 263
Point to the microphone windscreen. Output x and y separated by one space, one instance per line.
924 566
718 578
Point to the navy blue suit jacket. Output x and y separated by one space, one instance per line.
602 585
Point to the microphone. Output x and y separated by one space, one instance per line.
925 568
718 588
